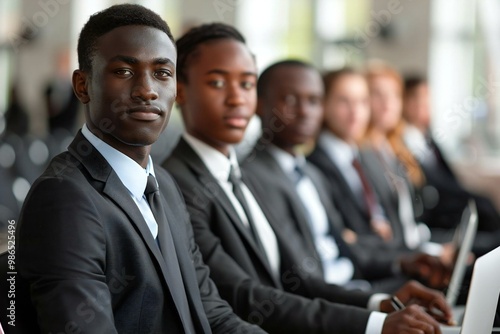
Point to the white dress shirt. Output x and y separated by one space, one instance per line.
130 173
287 162
418 145
337 270
219 166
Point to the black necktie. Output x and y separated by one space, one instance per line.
298 174
238 193
174 277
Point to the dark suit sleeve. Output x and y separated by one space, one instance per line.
268 307
375 260
300 262
61 253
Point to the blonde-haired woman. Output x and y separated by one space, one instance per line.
395 172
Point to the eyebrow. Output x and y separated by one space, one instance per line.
223 72
133 60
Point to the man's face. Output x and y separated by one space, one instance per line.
219 97
416 107
291 109
131 88
347 107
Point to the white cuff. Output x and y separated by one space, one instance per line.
375 323
375 299
432 248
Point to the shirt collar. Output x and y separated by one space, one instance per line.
414 134
217 163
287 161
130 173
341 152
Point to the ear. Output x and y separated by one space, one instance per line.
181 94
260 108
80 88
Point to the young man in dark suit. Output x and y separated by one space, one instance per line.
259 263
443 210
104 240
346 113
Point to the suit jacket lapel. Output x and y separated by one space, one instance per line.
324 159
334 217
298 208
332 212
208 182
384 189
101 171
187 273
120 195
439 156
296 205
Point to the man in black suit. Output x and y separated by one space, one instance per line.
258 261
345 117
102 249
444 197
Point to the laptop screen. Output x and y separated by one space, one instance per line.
482 300
463 241
483 297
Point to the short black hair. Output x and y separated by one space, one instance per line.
412 82
114 17
266 75
187 44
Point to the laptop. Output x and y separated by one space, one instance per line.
463 241
482 299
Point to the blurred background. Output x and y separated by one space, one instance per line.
454 43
